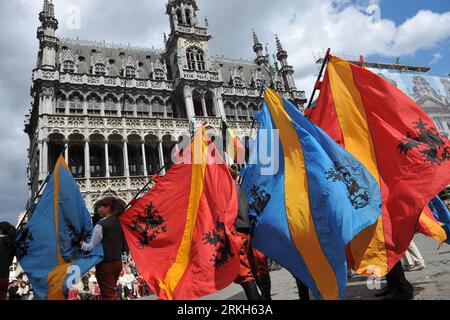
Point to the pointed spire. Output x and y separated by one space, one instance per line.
49 9
279 46
255 38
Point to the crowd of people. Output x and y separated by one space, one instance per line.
130 285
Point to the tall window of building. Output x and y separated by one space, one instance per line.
61 105
115 161
143 108
76 160
242 112
188 17
195 59
94 105
96 157
110 107
76 104
128 110
179 16
158 108
230 111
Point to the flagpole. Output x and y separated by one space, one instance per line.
325 61
130 204
39 192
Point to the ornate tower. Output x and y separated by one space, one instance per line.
261 59
287 71
187 53
46 35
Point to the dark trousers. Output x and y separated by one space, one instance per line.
107 274
396 279
3 288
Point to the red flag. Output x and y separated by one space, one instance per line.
397 142
181 233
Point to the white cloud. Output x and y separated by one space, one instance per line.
436 57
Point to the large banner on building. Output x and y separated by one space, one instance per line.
430 92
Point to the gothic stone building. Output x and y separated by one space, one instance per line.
119 111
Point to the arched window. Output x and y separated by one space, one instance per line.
169 109
168 144
130 72
96 157
128 110
61 105
252 108
110 106
76 160
159 75
76 104
230 111
115 160
143 108
94 105
242 112
179 16
158 108
188 16
195 59
69 66
238 82
100 69
152 154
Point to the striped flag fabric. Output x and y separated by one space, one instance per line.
48 246
310 197
397 142
181 232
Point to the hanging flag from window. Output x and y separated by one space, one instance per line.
308 195
48 246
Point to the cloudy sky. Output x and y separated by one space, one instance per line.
417 31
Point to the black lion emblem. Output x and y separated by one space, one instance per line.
358 196
148 225
428 141
258 200
218 238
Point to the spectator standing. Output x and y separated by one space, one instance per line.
7 249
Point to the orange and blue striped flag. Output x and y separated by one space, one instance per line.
397 142
310 197
48 246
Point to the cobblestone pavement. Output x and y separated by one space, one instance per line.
431 283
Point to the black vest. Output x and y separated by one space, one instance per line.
242 223
6 258
113 239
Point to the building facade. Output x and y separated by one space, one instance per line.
118 112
